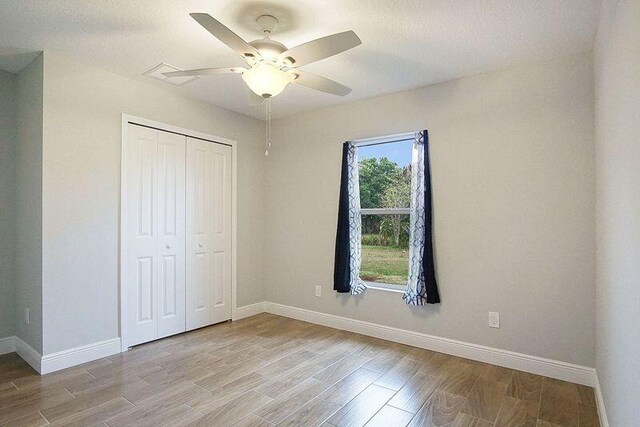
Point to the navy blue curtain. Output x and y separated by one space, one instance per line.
428 265
341 268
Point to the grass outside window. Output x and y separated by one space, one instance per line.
384 264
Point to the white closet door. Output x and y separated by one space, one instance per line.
171 234
208 233
141 231
154 234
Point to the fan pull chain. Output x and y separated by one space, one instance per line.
267 118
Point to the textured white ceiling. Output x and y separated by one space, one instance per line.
406 43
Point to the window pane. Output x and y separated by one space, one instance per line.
385 175
385 249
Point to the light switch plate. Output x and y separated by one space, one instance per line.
318 291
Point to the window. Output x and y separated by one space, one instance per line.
385 194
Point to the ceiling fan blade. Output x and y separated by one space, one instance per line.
321 48
254 99
225 35
322 84
204 72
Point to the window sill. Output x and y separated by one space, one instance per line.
385 287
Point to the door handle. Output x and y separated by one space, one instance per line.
200 244
168 246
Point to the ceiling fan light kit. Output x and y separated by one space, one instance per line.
272 66
266 80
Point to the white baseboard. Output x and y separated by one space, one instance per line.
7 345
602 413
509 359
66 358
249 310
28 354
78 355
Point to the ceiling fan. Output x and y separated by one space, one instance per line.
272 66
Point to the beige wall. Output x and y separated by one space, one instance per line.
513 175
7 202
617 71
82 120
28 273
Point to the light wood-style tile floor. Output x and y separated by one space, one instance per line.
268 370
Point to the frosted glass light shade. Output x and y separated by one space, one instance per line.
266 80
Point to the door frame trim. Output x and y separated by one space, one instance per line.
126 120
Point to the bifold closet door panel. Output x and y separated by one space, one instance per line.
171 234
221 235
141 176
208 233
154 234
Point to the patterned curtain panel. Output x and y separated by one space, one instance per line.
346 275
422 287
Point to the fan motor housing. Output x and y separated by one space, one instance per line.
269 48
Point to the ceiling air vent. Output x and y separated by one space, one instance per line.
156 73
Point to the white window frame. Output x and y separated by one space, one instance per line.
389 139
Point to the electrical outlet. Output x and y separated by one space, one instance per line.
494 319
27 315
318 291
